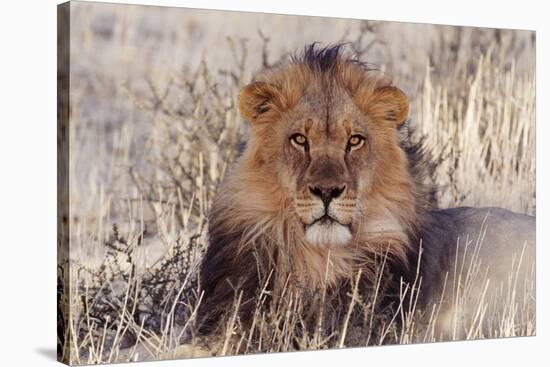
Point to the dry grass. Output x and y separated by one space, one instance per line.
154 127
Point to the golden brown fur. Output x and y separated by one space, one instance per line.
323 189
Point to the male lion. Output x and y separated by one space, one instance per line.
329 195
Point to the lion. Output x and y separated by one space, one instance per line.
328 191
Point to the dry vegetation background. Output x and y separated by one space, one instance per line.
154 126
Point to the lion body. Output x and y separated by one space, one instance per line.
327 190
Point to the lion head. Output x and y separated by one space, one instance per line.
327 129
324 174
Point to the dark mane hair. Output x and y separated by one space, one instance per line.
326 59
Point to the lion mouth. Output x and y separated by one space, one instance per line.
325 219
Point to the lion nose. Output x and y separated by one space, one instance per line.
326 194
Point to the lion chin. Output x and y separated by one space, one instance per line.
328 233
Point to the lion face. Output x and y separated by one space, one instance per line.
326 154
325 135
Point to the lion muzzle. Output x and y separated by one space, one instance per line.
324 226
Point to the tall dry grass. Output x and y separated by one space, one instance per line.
483 126
154 128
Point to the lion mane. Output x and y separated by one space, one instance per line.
256 240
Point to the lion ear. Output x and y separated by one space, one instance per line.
259 100
390 104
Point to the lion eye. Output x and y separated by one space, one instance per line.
355 142
299 139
